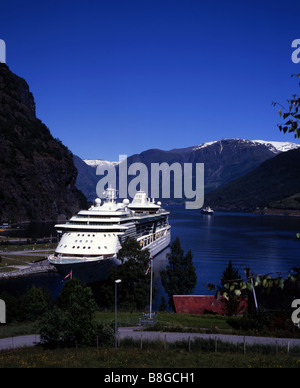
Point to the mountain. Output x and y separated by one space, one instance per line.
275 184
277 146
225 160
38 175
99 162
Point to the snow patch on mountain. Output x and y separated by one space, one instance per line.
274 146
99 162
278 146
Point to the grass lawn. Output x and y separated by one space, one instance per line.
172 322
194 322
202 354
132 357
8 260
18 328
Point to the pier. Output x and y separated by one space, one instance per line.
28 269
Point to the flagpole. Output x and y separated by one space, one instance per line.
151 288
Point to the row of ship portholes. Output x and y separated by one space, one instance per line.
61 246
86 241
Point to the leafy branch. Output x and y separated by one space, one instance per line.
237 286
291 114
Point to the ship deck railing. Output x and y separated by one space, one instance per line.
71 259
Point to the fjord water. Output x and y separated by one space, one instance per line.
265 244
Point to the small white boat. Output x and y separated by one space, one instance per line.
207 210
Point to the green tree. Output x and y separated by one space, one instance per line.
73 319
133 292
179 277
52 327
229 279
77 301
35 303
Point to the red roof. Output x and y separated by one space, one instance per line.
200 304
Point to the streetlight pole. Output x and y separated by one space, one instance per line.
116 324
151 288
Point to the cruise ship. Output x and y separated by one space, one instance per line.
89 241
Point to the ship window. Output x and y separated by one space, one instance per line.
83 247
76 240
73 247
77 247
93 235
88 235
80 241
89 247
105 235
86 241
78 235
105 247
99 247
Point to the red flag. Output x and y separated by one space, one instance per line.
150 263
69 275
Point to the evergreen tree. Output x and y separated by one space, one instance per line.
133 292
230 276
179 277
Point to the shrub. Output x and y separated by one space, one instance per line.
72 321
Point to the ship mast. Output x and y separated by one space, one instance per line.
110 195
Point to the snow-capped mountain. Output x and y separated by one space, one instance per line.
97 162
274 146
224 161
277 146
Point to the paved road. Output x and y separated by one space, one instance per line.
136 334
235 339
19 342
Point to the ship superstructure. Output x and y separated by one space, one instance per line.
89 241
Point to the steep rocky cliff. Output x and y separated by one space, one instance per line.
37 173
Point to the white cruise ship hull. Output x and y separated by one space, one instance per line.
95 270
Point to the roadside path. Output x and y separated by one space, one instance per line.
136 334
19 342
127 332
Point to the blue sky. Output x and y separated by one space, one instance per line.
114 77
